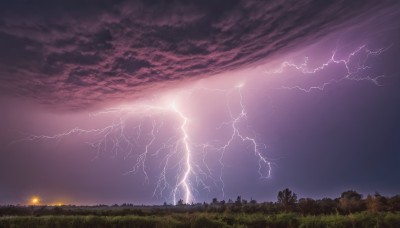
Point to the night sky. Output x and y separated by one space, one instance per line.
150 101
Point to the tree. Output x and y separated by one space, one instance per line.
214 201
308 206
350 201
394 203
238 201
374 203
327 206
180 202
287 199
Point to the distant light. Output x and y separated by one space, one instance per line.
35 200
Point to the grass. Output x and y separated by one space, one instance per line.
210 220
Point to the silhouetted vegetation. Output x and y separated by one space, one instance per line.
349 210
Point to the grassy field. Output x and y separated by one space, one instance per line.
363 219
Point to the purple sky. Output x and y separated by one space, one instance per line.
126 75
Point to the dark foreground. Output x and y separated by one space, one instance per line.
363 219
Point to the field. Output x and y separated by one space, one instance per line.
197 219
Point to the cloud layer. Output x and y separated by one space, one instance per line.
76 54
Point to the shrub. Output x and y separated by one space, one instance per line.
203 221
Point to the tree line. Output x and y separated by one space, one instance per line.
349 202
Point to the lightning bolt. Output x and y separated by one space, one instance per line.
188 162
233 123
179 153
355 65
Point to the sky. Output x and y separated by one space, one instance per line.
148 102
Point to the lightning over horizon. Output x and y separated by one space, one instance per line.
183 160
115 138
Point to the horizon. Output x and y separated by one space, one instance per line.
42 201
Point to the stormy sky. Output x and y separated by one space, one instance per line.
324 132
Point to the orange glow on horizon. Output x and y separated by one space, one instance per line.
35 200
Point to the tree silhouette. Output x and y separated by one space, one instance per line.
238 201
376 203
350 201
287 199
180 202
394 203
308 206
327 206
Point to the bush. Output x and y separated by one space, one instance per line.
203 221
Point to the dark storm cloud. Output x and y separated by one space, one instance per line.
80 53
